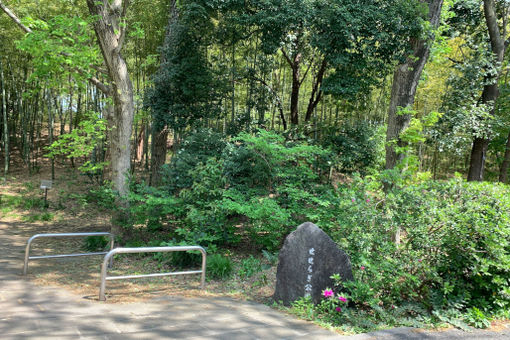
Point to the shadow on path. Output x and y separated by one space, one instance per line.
34 312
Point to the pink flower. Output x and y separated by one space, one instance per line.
328 293
419 260
353 200
341 298
338 309
368 200
362 267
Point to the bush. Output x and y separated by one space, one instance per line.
219 266
249 267
95 243
357 145
180 259
259 187
196 148
453 258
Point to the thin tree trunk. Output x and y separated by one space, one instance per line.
50 131
4 118
315 97
294 95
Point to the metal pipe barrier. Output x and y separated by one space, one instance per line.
30 240
112 252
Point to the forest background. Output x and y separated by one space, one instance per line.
227 123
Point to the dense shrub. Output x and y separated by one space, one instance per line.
196 148
357 145
453 260
259 186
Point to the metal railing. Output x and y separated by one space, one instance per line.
110 254
30 240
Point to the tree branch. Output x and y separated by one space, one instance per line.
15 18
102 87
287 57
277 97
497 43
306 72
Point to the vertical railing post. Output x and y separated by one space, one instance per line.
27 253
112 241
204 266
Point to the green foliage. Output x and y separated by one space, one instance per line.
95 243
249 267
452 259
59 47
360 43
197 147
183 92
355 144
180 259
219 266
260 187
102 196
44 217
82 141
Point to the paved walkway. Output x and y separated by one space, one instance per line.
33 312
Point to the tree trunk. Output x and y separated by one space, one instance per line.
294 95
159 140
50 131
4 118
503 172
315 97
405 83
490 92
480 145
110 31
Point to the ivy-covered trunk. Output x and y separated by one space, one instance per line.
159 128
296 85
490 92
158 157
481 144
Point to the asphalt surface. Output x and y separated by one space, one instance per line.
28 311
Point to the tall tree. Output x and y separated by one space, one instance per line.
405 83
110 28
490 93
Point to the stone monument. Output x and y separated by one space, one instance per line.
306 262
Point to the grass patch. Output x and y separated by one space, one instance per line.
43 217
